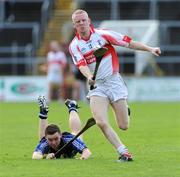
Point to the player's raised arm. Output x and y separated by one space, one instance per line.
140 46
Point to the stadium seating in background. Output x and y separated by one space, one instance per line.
27 26
61 15
10 34
133 9
21 30
21 11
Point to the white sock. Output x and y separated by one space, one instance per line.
122 149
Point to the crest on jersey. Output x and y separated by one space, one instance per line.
83 49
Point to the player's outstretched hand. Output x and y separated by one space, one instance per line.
156 51
50 156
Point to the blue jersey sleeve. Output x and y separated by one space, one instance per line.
79 145
42 146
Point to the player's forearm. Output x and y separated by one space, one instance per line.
85 154
85 71
140 46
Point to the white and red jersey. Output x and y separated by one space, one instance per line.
56 61
82 51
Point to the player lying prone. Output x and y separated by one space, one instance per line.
54 144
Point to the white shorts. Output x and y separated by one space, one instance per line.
112 87
55 78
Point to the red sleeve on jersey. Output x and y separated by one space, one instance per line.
127 39
81 62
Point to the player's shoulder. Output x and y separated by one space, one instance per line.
64 134
60 53
43 142
43 139
43 145
74 42
50 54
101 30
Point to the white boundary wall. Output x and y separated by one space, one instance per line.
164 89
27 89
22 88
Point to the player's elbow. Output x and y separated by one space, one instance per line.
133 45
37 156
89 153
86 154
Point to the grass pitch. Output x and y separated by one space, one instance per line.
153 138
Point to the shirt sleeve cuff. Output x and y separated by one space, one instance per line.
127 39
81 62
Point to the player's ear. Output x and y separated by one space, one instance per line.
89 20
73 25
60 135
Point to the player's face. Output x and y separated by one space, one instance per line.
81 23
54 46
54 140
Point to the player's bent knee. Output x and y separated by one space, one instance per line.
124 127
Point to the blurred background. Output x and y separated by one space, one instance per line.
28 28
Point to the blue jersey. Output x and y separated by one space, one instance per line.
75 147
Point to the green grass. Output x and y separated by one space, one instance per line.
153 138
